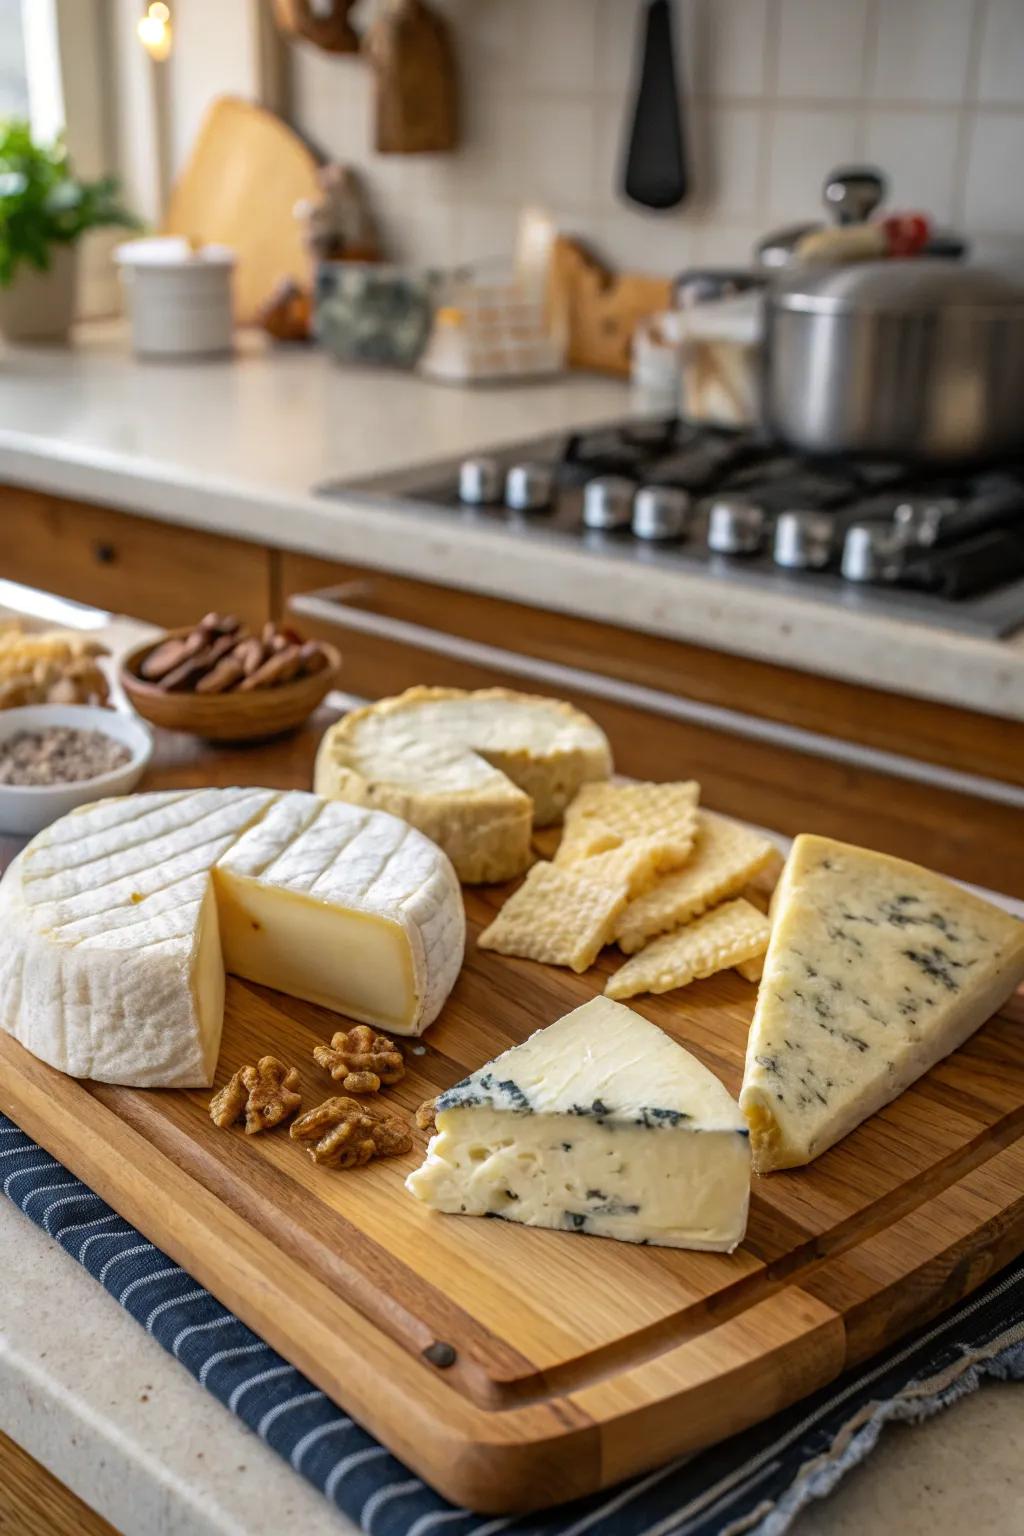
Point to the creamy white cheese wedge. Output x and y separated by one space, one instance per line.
117 924
600 1124
875 970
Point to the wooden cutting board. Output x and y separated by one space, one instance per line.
239 187
578 1360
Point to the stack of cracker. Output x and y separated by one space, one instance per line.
642 866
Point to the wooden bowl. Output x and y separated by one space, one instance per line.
229 716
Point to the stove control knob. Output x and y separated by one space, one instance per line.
529 487
660 512
479 481
873 552
735 526
803 540
608 502
922 517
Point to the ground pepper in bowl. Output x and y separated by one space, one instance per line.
59 754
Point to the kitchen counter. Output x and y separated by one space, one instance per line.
236 446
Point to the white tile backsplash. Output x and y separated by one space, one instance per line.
561 43
777 92
995 161
918 150
923 49
821 49
806 143
1001 52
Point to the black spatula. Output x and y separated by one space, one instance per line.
656 163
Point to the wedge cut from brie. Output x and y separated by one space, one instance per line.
600 1124
474 771
875 970
117 924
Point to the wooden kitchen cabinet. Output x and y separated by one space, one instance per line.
162 572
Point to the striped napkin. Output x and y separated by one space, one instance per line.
754 1483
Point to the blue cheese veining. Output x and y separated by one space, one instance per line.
600 1124
876 969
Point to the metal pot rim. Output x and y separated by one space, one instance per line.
907 287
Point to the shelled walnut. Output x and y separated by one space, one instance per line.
220 656
342 1134
360 1059
426 1116
266 1094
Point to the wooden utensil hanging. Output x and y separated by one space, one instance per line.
410 47
324 23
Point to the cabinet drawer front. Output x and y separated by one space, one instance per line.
167 574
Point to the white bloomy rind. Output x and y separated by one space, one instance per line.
116 921
598 1124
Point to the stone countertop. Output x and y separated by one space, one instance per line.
237 445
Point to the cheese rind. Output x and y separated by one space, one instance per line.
599 1124
876 969
116 921
474 771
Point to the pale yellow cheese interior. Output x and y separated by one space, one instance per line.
356 961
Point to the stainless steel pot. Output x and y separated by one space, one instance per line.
916 359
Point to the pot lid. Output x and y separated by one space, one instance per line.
899 286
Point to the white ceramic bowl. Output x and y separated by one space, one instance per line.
26 808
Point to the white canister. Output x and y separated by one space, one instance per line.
179 297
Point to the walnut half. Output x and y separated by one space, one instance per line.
265 1093
360 1059
426 1116
342 1134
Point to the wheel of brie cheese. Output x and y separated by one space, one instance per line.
118 922
474 771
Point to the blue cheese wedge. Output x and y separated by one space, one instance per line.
876 969
600 1124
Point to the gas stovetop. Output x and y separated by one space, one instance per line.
945 549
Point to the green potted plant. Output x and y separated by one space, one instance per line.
44 211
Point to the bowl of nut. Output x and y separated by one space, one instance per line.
54 757
224 682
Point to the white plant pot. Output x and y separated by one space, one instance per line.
40 306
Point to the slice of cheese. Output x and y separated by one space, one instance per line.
601 1124
876 969
474 771
117 923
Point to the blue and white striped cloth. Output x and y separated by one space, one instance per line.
754 1483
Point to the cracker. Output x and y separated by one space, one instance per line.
726 936
635 862
604 816
726 856
558 916
751 970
